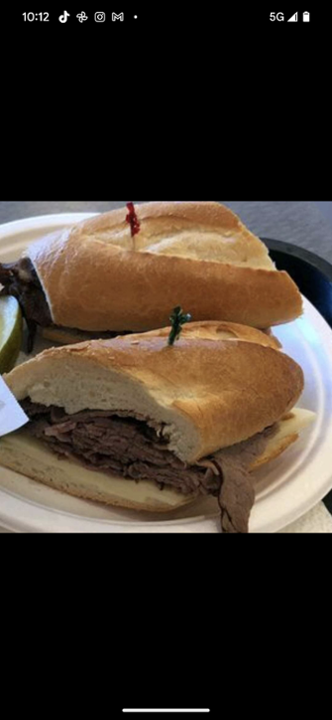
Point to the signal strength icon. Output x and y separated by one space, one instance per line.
294 18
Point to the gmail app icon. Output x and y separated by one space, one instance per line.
119 16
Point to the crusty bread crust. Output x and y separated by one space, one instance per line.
209 329
198 255
210 393
213 330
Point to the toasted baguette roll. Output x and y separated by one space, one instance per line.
209 393
212 330
209 329
199 255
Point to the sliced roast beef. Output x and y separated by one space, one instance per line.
136 450
20 279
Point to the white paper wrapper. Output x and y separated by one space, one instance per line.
12 416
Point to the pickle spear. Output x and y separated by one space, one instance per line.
11 332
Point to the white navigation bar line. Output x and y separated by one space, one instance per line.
165 710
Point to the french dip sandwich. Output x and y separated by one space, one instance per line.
96 277
135 423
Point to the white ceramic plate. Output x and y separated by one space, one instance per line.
285 489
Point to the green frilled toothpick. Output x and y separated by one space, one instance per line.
178 318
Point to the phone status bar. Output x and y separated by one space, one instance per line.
158 17
81 17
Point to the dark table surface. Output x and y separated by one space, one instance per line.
307 224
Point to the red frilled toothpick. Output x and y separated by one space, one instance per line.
133 221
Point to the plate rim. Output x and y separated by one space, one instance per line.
58 219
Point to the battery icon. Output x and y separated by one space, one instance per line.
306 17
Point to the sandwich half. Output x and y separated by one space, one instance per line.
94 277
135 423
